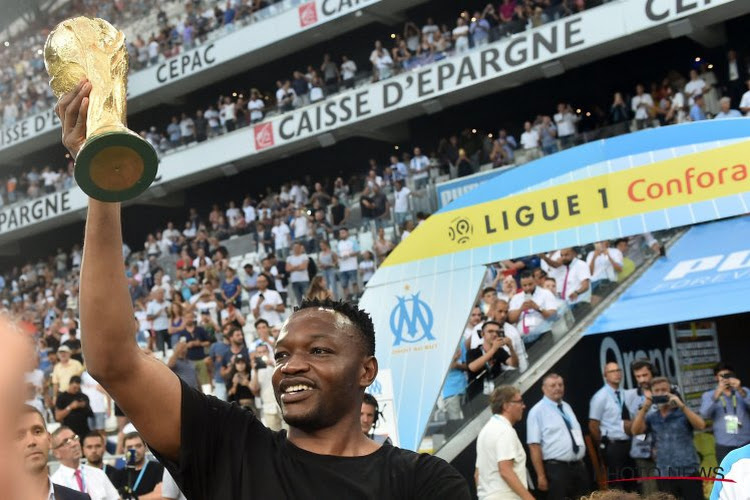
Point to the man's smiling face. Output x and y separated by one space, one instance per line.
321 369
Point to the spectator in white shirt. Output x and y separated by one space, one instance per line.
529 308
566 120
233 214
228 114
382 63
296 266
695 87
267 304
461 36
530 140
348 72
255 106
604 264
187 129
573 279
401 195
347 250
214 126
641 105
281 238
472 329
501 460
419 168
429 29
285 96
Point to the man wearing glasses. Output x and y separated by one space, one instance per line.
501 460
66 446
609 424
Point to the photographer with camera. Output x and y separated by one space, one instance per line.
485 363
672 430
729 407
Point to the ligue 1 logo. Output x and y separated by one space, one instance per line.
263 136
411 320
307 14
460 230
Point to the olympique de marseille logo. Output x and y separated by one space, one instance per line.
411 320
307 14
263 136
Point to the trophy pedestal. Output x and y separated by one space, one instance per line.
115 166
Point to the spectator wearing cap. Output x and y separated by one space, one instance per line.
73 409
64 370
556 444
728 406
238 382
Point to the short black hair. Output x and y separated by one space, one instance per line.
492 322
488 290
721 366
642 363
259 321
369 399
526 274
93 434
359 317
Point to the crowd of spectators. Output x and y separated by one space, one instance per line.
24 88
23 83
675 100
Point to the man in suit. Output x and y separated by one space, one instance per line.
33 443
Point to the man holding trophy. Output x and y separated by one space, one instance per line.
324 353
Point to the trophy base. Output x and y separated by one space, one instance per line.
115 166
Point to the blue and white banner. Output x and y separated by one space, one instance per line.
705 274
419 323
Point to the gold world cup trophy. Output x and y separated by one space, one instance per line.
115 163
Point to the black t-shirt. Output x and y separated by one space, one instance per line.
337 213
152 475
226 452
476 378
77 419
116 476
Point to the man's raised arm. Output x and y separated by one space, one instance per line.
146 390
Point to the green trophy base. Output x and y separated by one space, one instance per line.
115 166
